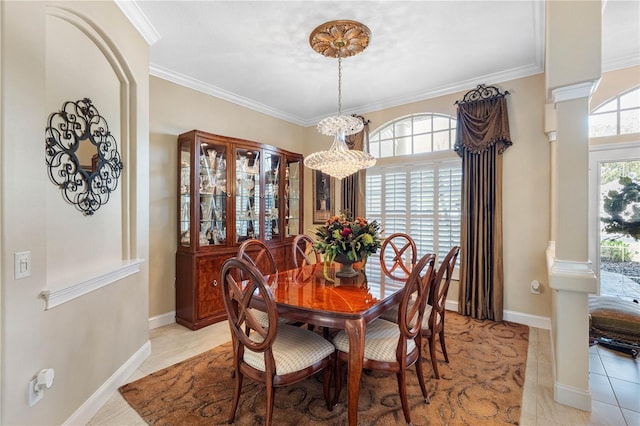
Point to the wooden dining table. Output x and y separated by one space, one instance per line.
305 295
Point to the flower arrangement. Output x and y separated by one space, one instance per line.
346 239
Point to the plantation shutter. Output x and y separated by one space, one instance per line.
449 207
423 200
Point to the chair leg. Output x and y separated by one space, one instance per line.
420 374
432 352
443 346
338 376
270 401
326 384
236 395
402 388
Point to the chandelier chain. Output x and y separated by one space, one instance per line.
339 84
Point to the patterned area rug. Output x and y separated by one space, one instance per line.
482 385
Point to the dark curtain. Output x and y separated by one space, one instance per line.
482 135
353 187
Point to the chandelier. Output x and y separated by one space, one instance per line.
340 39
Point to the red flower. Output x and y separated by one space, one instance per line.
346 232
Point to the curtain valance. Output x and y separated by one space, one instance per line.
483 123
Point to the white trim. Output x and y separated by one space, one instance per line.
536 321
552 136
55 298
139 20
91 406
620 63
615 146
574 91
162 320
530 320
572 276
572 396
451 305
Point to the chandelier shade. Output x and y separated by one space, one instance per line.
340 39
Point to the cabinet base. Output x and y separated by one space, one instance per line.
202 323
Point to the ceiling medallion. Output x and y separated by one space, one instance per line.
342 36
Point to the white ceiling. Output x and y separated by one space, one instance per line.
257 53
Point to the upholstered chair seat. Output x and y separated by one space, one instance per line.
293 350
381 339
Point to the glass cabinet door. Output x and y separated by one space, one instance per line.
293 205
248 209
185 194
213 194
271 196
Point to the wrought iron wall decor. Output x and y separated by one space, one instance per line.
482 92
82 155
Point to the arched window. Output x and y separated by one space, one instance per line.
413 134
619 116
416 183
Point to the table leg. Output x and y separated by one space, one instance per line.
355 331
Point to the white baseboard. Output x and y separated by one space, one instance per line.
535 321
573 397
513 316
91 406
160 320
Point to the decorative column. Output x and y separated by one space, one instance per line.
572 72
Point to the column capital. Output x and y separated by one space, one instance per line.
574 91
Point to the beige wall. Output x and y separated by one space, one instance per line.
87 339
66 227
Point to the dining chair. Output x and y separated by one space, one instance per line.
398 254
276 355
258 254
433 321
392 347
304 252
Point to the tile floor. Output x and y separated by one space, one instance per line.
614 380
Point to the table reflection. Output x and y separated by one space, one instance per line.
307 288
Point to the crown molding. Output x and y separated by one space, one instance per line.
139 20
620 63
217 92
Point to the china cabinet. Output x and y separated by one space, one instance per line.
229 190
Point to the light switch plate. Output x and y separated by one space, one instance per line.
22 264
